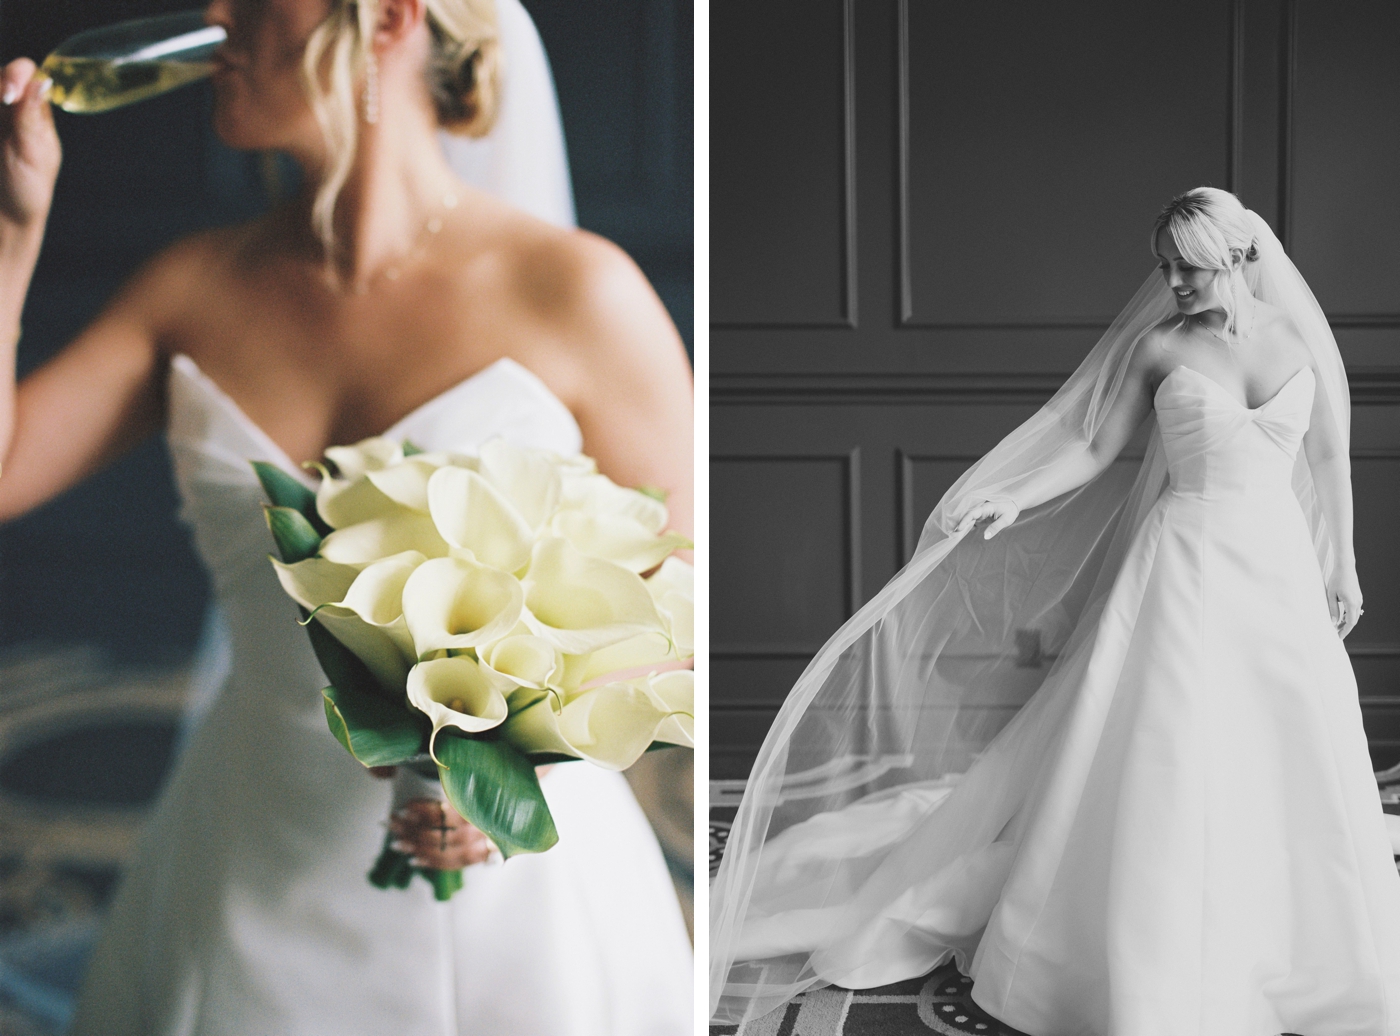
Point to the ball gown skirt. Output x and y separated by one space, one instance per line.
247 911
1201 847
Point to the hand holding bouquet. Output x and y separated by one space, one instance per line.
483 615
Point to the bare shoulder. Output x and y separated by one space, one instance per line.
578 279
184 273
598 315
1154 357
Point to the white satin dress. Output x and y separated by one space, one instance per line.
1201 848
1207 853
247 911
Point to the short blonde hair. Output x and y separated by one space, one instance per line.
1209 226
462 73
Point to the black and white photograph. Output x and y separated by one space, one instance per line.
1055 448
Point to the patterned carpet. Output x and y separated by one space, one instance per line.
939 1002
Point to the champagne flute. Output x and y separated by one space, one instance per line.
116 65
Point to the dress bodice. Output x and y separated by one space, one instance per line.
248 908
1217 447
213 442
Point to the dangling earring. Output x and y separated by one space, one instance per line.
371 88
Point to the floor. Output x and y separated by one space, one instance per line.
938 1002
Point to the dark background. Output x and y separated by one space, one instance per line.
924 214
108 565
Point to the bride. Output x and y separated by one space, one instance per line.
390 298
1108 755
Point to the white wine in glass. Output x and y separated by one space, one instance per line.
106 68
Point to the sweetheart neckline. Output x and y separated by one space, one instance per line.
183 360
1225 392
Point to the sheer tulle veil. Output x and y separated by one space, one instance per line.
522 159
902 756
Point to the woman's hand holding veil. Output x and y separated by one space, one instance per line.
1001 511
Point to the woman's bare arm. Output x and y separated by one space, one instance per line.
1331 473
631 386
95 400
102 394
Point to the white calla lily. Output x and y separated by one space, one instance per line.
405 483
679 613
472 514
381 649
673 575
672 587
535 730
344 502
315 581
457 603
581 604
530 479
645 649
676 692
454 692
598 494
447 459
367 455
524 660
376 596
617 537
356 611
611 726
370 541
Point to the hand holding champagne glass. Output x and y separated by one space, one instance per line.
116 65
94 71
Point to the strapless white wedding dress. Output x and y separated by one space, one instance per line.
247 911
1200 846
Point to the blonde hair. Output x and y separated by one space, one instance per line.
462 73
1209 226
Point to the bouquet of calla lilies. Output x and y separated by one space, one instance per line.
483 615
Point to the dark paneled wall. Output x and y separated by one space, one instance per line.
923 216
108 564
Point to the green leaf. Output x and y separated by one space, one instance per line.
494 787
285 491
373 731
409 450
550 758
393 869
296 539
444 882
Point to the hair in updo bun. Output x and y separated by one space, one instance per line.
1213 231
464 69
1208 225
462 74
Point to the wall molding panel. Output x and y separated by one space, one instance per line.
966 137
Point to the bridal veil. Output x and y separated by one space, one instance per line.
865 787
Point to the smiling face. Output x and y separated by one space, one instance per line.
258 98
1195 288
